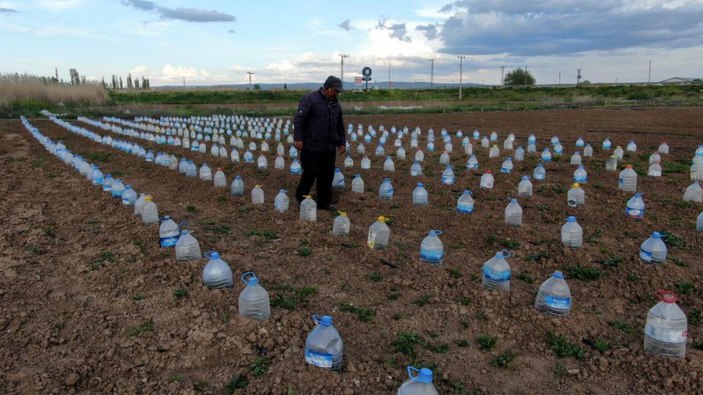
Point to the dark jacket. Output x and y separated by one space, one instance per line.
318 123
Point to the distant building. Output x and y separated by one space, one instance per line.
678 81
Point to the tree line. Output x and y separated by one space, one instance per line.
116 83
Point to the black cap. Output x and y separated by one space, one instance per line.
333 82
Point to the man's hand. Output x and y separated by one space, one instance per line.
342 149
298 145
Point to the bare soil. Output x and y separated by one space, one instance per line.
89 302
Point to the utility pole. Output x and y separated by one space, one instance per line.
461 64
389 75
432 73
250 74
578 76
184 81
525 75
502 79
341 77
560 78
649 75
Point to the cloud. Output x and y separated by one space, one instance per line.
231 31
558 27
395 30
181 14
346 25
430 31
8 11
58 5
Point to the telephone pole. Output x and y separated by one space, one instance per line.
502 79
649 75
341 72
250 74
461 64
432 73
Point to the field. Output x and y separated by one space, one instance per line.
90 303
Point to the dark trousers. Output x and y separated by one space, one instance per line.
317 165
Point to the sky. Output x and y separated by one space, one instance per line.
209 42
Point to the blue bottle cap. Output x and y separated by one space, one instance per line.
214 255
435 233
425 376
558 274
656 235
571 218
525 178
467 192
419 184
325 320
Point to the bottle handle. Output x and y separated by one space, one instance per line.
316 318
662 293
410 371
184 225
506 253
209 254
250 275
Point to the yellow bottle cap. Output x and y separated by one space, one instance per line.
381 219
148 198
342 214
576 185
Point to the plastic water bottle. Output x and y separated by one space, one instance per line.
308 209
419 382
385 191
187 247
507 166
348 162
419 155
341 225
572 233
262 162
465 203
360 149
655 170
416 169
606 144
575 158
97 176
139 204
554 296
580 175
357 184
129 196
663 148
628 180
494 136
431 248
448 175
524 188
487 180
618 152
631 147
249 157
279 163
635 206
257 195
420 197
699 222
295 167
494 152
558 149
219 179
168 232
444 158
576 196
655 158
693 193
611 164
532 139
117 188
378 234
281 201
237 186
540 173
653 250
217 273
579 142
588 151
472 163
666 329
513 213
496 272
324 347
254 300
400 154
149 212
365 163
546 155
519 154
205 172
338 180
531 148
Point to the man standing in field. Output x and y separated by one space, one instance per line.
319 133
